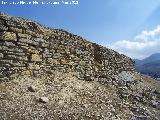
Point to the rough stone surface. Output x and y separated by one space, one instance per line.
32 88
8 36
57 50
1 55
35 58
79 79
155 104
43 99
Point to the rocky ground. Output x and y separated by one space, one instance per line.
51 74
63 97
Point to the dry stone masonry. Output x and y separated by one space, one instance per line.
58 75
28 48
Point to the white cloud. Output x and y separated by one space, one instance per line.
143 45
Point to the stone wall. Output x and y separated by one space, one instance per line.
28 48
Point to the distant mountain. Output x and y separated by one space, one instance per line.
149 66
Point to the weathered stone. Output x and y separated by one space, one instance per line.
157 92
46 45
26 72
25 36
11 23
32 88
36 58
33 51
15 57
34 34
2 22
15 53
138 97
63 61
15 30
5 62
43 99
19 64
155 104
140 117
50 60
33 66
40 40
28 41
1 55
8 36
18 50
23 45
9 44
53 61
16 22
3 28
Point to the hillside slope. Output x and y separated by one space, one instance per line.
50 74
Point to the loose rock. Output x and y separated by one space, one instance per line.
32 88
43 99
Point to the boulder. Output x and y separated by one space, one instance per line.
43 100
32 88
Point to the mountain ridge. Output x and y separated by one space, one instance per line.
149 65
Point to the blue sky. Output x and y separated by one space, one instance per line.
102 21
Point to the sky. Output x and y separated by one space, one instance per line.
131 27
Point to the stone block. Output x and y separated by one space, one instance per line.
43 100
14 53
26 36
63 61
53 61
19 64
32 66
6 62
1 55
15 50
32 88
28 41
8 36
33 51
9 44
11 23
36 58
15 57
15 30
3 28
34 34
45 45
